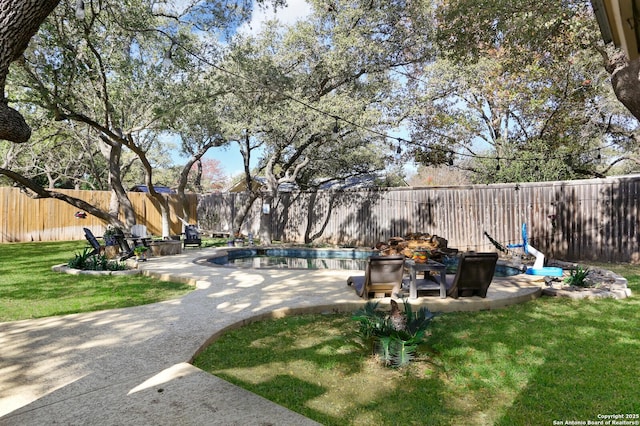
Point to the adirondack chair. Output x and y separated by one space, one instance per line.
191 236
93 241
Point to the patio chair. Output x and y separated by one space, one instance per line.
97 247
191 236
126 251
473 276
140 232
382 276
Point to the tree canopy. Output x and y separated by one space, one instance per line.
507 91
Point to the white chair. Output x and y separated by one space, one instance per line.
140 231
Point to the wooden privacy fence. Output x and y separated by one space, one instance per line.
26 219
592 219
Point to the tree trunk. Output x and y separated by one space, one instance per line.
625 79
239 219
12 125
19 21
120 200
198 180
266 236
164 213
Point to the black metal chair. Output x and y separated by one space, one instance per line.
97 247
191 236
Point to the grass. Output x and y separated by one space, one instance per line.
29 289
549 359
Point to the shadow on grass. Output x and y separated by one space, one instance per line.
312 365
29 289
545 360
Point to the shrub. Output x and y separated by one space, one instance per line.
393 336
88 262
138 250
80 260
577 277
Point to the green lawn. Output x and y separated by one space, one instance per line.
29 289
531 364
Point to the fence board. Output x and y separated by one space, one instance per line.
25 219
574 220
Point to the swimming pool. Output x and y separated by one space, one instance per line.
502 270
309 258
294 258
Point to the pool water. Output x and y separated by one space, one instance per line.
501 270
296 259
301 258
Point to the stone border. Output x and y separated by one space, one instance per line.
64 269
603 284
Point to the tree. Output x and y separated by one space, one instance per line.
532 31
522 117
104 71
200 130
20 21
438 176
212 176
526 118
112 68
314 89
123 70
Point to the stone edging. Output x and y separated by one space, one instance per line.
71 271
604 284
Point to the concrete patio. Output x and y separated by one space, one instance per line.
131 366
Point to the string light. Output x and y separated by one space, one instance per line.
356 125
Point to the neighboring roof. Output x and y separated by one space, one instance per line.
618 24
159 189
257 183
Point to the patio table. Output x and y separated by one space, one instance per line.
427 267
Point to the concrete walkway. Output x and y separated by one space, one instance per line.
131 366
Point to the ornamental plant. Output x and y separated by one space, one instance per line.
88 262
139 250
393 336
577 277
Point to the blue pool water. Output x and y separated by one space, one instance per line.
303 258
300 258
501 269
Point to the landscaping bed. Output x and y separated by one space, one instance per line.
598 283
65 269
